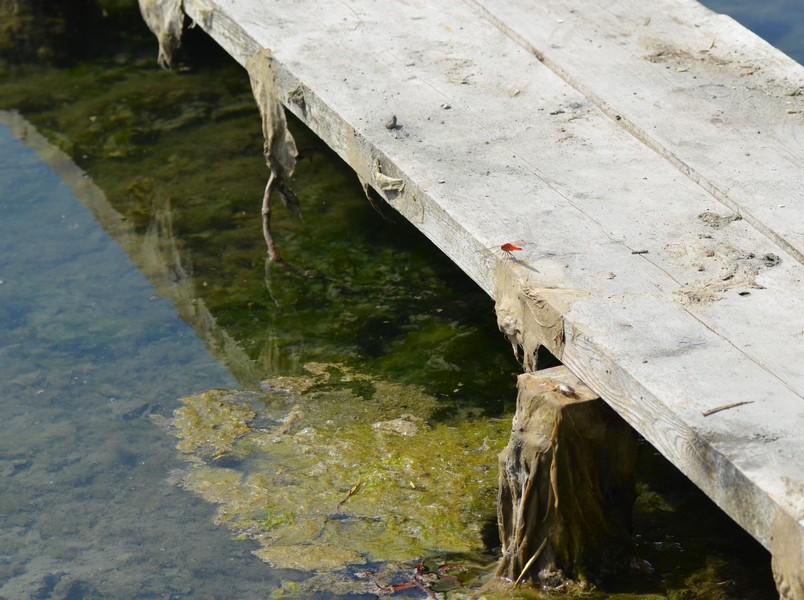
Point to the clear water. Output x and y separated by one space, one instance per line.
87 352
91 348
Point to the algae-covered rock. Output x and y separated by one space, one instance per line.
335 468
211 422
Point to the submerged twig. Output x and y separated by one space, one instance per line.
349 494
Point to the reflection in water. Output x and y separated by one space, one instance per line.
87 353
155 252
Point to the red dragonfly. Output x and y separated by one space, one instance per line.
508 248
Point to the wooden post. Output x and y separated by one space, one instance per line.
787 547
566 483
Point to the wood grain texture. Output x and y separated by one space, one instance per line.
710 97
623 196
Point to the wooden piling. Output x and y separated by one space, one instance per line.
566 484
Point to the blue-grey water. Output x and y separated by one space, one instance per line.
780 22
87 352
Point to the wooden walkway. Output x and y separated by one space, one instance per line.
648 158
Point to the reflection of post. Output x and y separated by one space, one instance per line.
157 254
566 483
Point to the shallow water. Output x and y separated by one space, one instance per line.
119 299
88 351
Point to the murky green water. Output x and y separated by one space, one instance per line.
95 341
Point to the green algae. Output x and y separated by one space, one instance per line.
335 468
211 423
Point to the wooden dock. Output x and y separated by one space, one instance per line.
648 158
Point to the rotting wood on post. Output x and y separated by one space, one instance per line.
531 317
566 484
279 148
787 548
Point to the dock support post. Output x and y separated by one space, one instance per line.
566 485
787 549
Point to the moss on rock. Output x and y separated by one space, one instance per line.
336 468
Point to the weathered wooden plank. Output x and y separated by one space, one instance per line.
715 100
704 115
495 147
580 136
